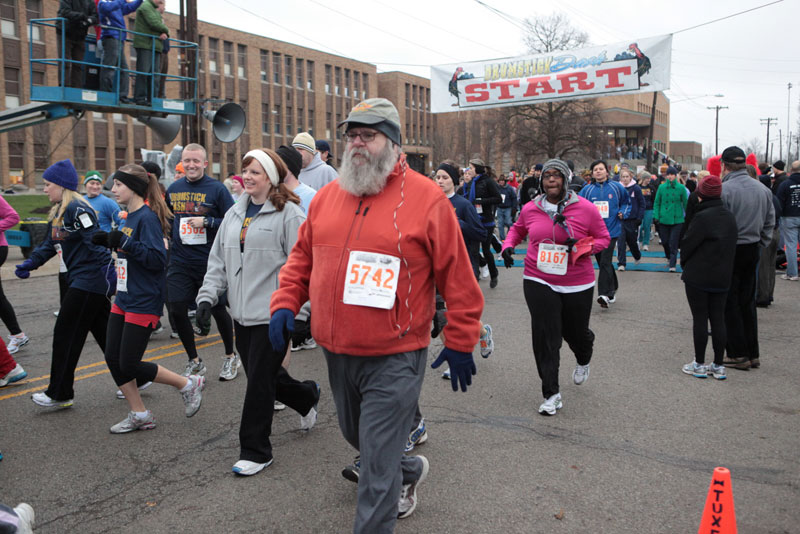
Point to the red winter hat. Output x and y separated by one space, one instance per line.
710 187
752 160
714 166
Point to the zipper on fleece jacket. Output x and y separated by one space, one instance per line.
342 261
360 226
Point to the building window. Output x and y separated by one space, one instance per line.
311 122
276 112
80 156
338 81
364 86
328 125
264 65
227 58
213 52
288 73
347 82
299 71
338 130
310 75
120 156
356 84
117 117
428 98
276 67
34 9
265 119
327 79
12 87
289 120
100 158
8 18
241 61
408 95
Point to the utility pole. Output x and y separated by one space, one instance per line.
780 144
788 127
651 151
716 127
188 29
769 120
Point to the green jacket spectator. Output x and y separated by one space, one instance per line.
670 204
150 22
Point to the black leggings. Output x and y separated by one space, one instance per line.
179 314
81 311
487 257
707 307
7 314
555 316
125 346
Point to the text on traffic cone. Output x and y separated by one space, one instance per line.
719 516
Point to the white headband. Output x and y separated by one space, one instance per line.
267 163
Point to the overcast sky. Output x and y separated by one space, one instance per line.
749 59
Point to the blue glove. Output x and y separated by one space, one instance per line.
24 269
281 326
462 366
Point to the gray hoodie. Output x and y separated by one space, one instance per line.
251 276
751 204
317 174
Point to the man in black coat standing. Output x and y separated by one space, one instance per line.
79 15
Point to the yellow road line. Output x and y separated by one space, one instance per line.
103 371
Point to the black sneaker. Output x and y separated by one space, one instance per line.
351 471
493 283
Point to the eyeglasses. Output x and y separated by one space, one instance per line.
552 174
366 136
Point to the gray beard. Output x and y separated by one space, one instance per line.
368 177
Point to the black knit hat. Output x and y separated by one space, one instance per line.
292 158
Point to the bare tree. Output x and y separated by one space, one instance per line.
553 32
754 145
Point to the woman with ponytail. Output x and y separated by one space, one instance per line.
90 274
251 246
141 290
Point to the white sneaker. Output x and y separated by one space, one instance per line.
552 404
307 344
42 399
193 397
17 342
230 367
14 375
408 494
308 421
485 271
279 406
121 395
581 374
673 270
620 267
247 468
783 277
26 517
446 374
645 248
603 301
131 423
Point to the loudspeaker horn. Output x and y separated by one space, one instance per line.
228 122
165 129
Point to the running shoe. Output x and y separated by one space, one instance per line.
418 436
230 367
645 248
26 517
487 342
612 299
446 374
121 395
408 494
131 423
493 283
351 471
620 267
698 370
42 399
552 404
308 421
193 397
16 342
194 368
743 364
755 363
158 329
279 406
14 375
603 301
174 335
247 468
790 278
485 271
307 344
717 371
673 270
581 374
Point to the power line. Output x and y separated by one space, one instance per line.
505 16
727 17
762 59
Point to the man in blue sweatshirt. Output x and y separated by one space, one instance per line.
614 204
112 13
199 203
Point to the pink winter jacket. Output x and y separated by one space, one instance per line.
8 218
582 218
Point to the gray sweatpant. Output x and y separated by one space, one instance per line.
376 397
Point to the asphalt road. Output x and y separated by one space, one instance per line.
633 450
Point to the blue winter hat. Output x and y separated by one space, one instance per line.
62 173
671 170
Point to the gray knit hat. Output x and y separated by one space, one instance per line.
558 165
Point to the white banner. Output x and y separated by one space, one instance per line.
639 67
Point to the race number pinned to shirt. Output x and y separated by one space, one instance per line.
62 267
552 258
371 279
602 207
122 274
191 235
479 209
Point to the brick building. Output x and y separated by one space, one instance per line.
688 153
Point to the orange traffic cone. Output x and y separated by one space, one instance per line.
719 516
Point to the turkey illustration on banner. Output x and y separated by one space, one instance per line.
621 68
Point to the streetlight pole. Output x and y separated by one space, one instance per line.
716 127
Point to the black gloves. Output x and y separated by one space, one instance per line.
203 316
110 239
508 257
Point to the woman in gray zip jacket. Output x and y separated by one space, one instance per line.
251 246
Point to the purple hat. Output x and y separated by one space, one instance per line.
62 173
